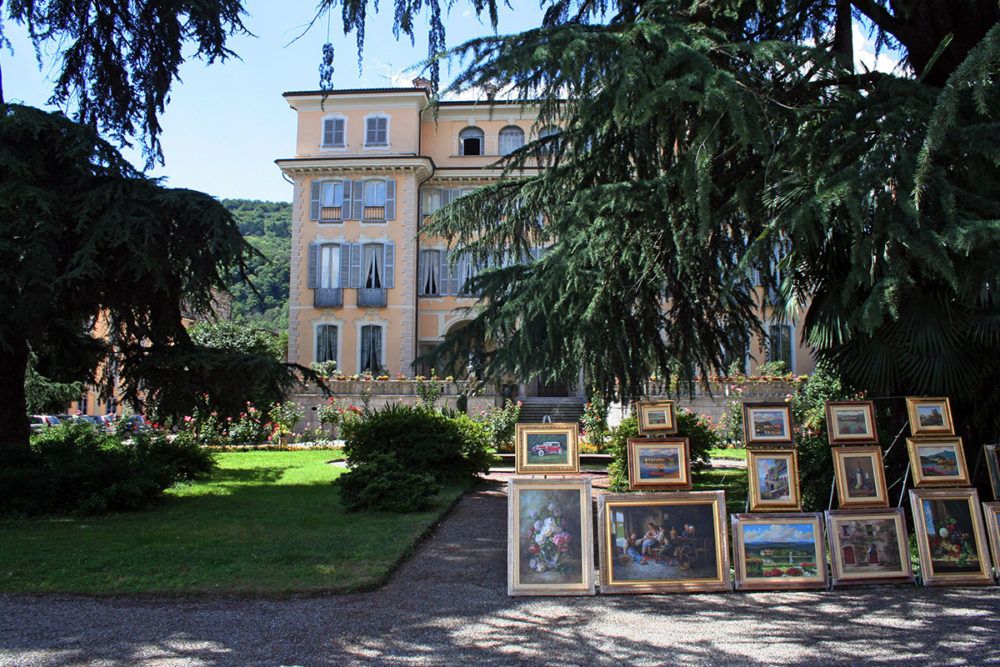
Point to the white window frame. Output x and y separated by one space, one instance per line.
793 360
440 279
336 265
322 133
500 146
330 321
482 140
388 132
357 354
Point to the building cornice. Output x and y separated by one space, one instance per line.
421 165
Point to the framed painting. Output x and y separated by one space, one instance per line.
991 513
659 464
868 547
992 454
767 424
851 423
550 544
860 476
774 479
929 416
779 551
937 462
657 417
546 448
950 538
663 542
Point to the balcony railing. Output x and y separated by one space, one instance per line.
374 213
328 297
371 297
331 214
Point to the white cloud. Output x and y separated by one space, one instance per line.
778 532
864 53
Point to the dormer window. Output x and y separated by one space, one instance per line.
334 132
377 131
471 141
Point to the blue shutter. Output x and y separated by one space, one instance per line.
358 207
389 266
355 273
345 265
345 212
390 199
328 125
312 279
442 280
314 200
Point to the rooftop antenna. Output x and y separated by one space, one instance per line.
388 77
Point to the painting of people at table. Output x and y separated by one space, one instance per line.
656 543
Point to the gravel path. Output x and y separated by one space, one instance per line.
448 606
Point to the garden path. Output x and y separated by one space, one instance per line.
448 605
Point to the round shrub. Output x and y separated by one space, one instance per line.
381 484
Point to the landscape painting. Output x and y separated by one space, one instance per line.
546 448
663 542
867 546
929 416
656 417
860 477
774 479
851 422
938 462
550 547
661 463
767 424
950 536
779 551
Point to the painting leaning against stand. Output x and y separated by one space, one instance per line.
779 551
550 543
991 512
950 537
868 546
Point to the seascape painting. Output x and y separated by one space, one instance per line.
658 462
938 461
769 423
852 421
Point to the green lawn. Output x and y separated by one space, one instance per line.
267 522
725 453
731 480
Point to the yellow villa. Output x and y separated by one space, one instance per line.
367 290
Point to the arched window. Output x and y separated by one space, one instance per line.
549 131
511 138
471 141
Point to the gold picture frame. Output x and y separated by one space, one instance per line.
657 417
851 423
773 476
992 454
550 541
951 540
658 464
929 416
991 515
768 425
860 477
779 551
546 449
868 546
937 461
685 552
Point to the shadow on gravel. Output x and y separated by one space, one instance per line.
448 606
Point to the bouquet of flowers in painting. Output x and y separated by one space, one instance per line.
547 542
950 545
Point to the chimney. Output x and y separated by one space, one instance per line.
491 91
421 82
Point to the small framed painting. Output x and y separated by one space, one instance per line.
937 462
851 422
950 538
774 479
779 551
929 416
991 512
657 417
546 448
868 547
992 453
550 544
663 542
767 424
860 476
659 464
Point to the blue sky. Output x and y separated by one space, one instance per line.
226 124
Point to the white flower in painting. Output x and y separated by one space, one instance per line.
943 532
538 525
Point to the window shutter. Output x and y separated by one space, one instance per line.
355 273
312 279
345 212
358 207
338 132
345 265
389 265
445 196
328 125
390 199
314 200
442 272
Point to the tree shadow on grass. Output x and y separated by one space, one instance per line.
247 475
448 605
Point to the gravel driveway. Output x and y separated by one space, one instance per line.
448 606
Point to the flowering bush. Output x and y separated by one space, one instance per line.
284 416
548 543
500 424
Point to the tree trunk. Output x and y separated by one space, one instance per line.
14 429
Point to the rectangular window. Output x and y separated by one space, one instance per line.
375 200
377 131
333 132
331 201
326 342
430 273
780 344
371 348
373 266
329 267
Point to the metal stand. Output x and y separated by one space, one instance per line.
902 491
979 460
833 485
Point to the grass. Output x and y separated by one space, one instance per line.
265 522
726 453
731 480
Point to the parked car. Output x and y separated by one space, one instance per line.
548 447
135 424
96 422
44 420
